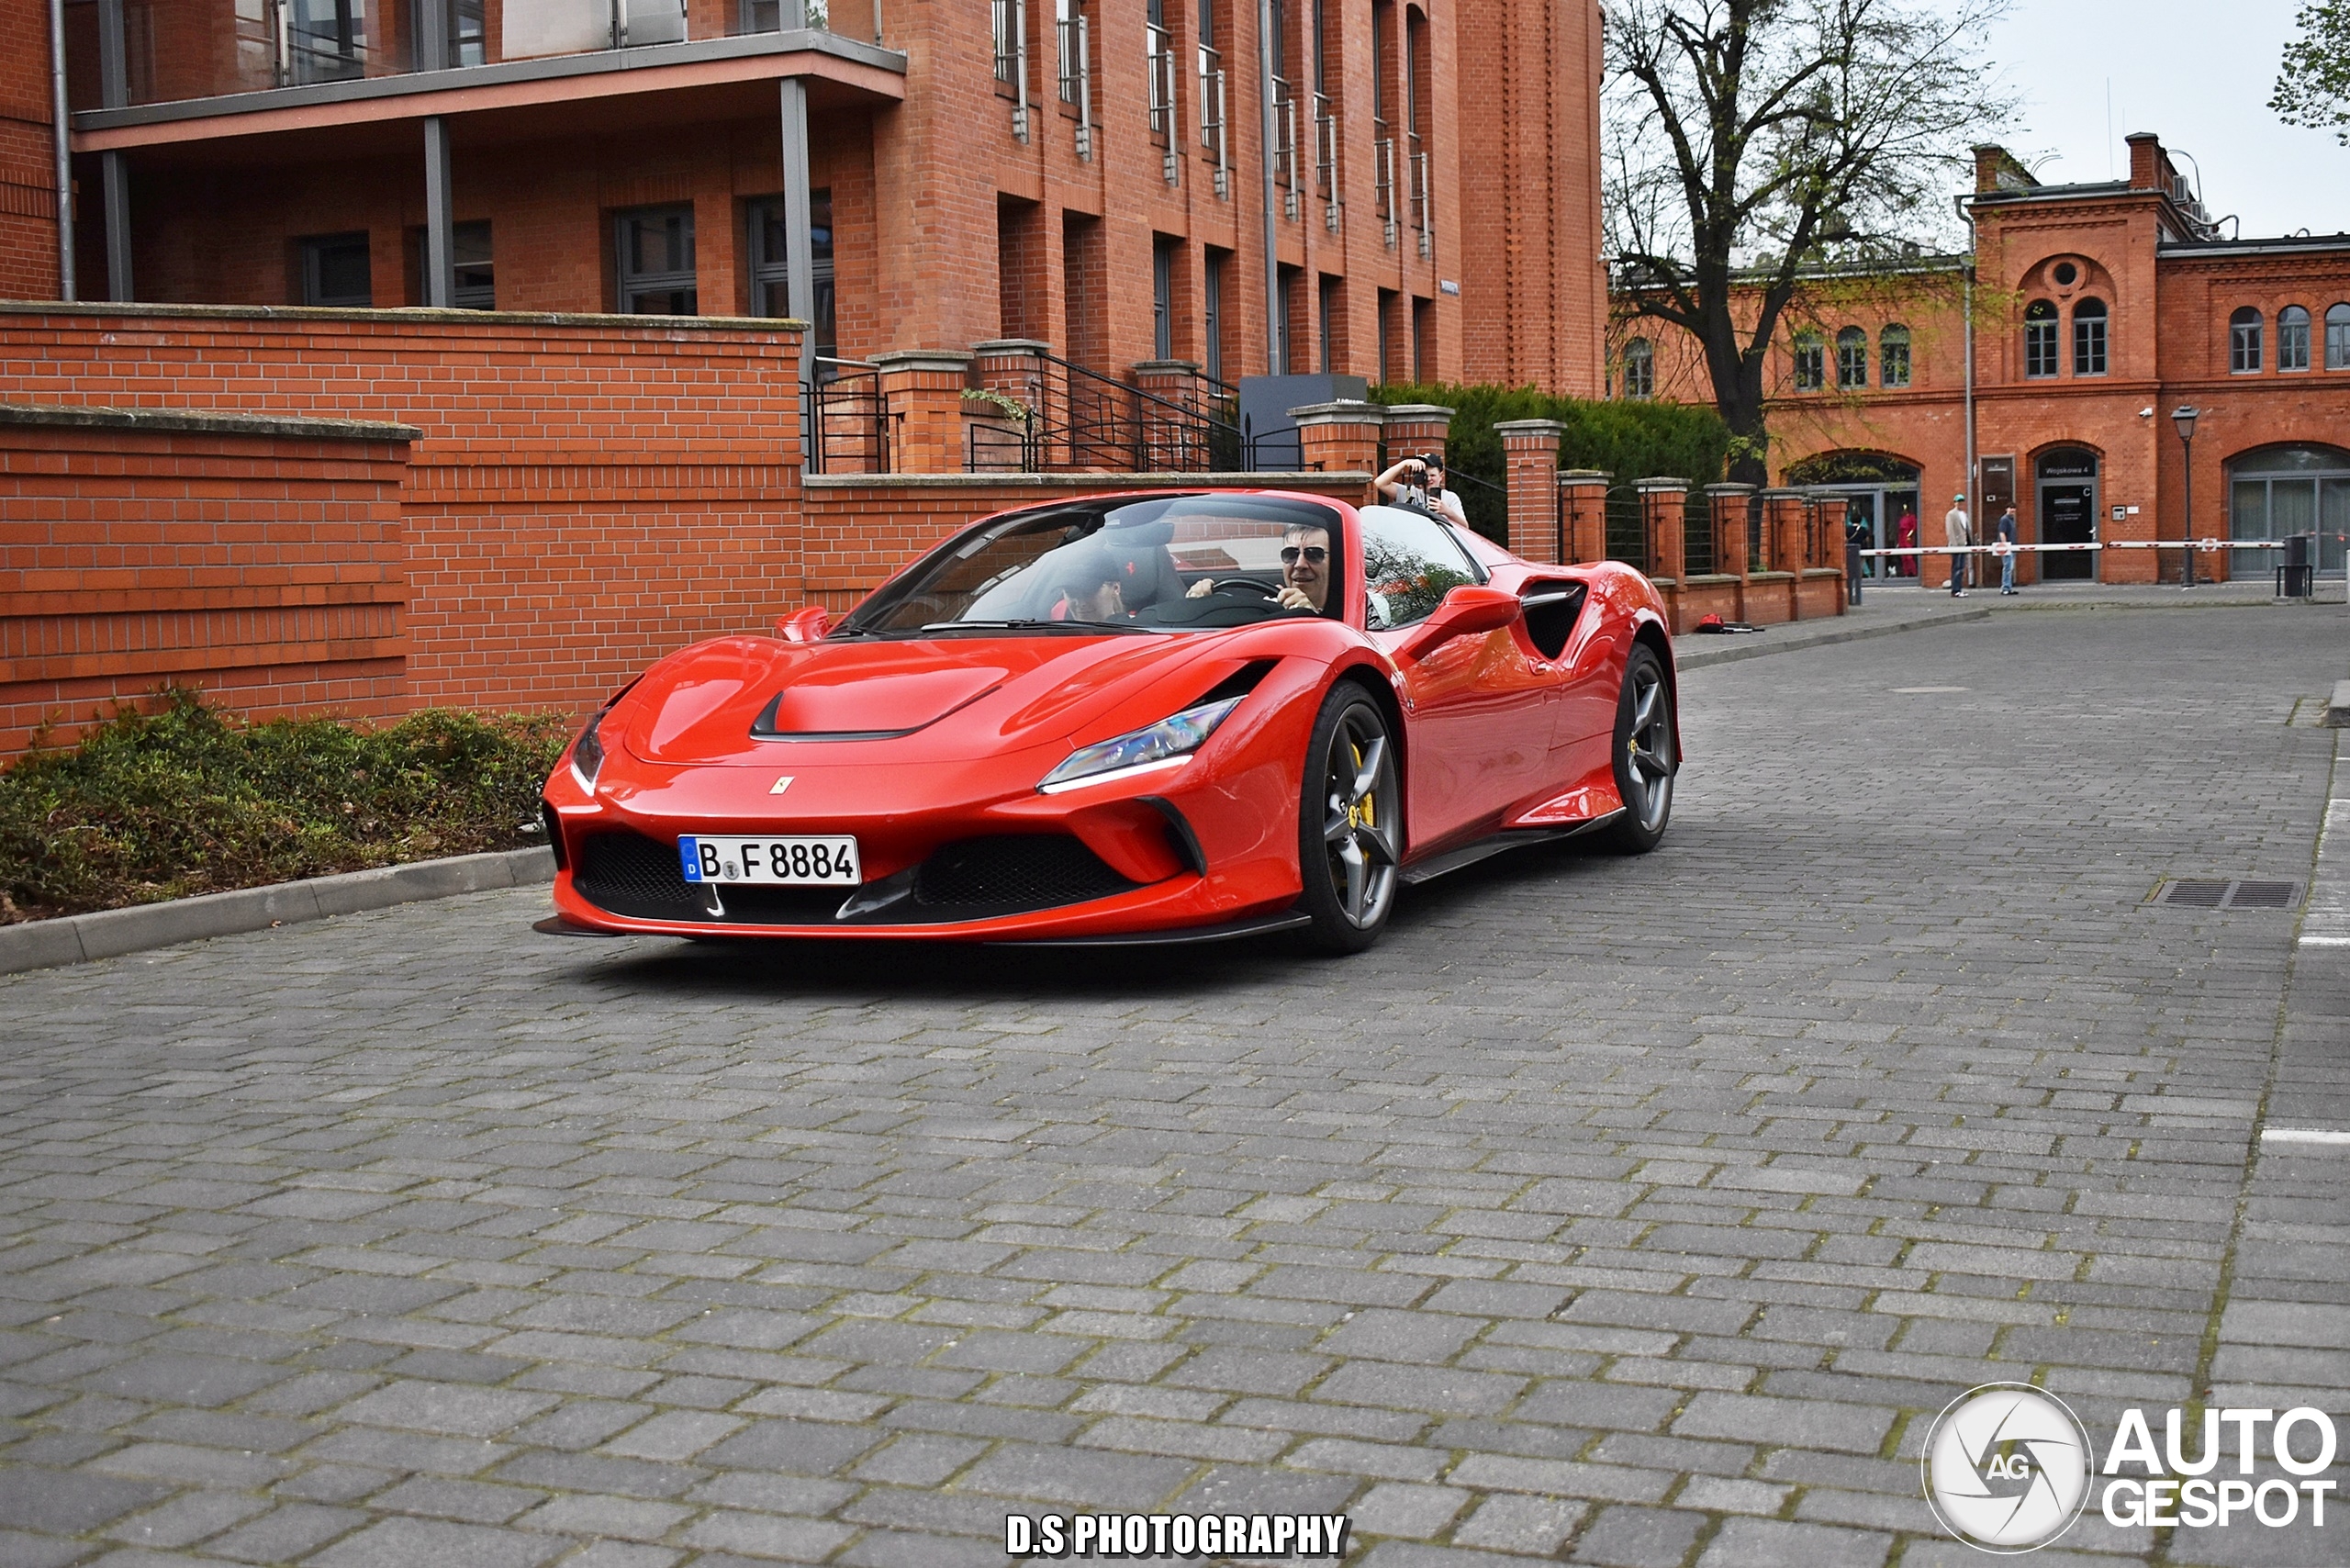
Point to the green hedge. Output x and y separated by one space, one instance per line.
188 799
1629 441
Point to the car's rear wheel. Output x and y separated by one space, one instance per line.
1349 823
1646 757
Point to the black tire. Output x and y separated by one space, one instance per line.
1350 823
1646 754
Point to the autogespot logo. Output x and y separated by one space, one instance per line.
2006 1467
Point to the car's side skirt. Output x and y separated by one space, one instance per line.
1436 866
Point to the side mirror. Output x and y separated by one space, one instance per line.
803 626
1469 610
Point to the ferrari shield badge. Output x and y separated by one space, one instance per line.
781 785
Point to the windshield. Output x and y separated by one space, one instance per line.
1167 564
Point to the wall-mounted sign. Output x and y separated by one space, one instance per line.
1999 484
1447 285
2067 463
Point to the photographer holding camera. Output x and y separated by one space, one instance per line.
1419 483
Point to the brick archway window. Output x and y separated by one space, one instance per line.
1852 359
2244 342
2088 338
2292 338
1811 361
1893 357
2040 338
2337 337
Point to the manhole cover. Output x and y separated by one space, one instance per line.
2238 893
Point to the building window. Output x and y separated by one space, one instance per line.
2337 338
2040 338
1893 357
1329 319
1162 299
654 248
335 271
1211 313
1639 368
2244 342
1811 361
1388 307
2292 338
1423 339
770 281
1288 282
1851 358
470 262
325 40
2088 338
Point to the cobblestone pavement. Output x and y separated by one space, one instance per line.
1628 1211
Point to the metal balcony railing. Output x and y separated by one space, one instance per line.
847 419
1382 173
1012 59
1079 420
1076 77
1285 145
1423 200
1159 63
1326 160
1213 143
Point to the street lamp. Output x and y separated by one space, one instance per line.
2184 416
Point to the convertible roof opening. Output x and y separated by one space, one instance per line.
1163 564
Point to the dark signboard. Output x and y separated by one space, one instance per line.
1999 484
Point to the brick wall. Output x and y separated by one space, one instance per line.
259 558
27 156
586 495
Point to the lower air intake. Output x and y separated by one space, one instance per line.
1015 872
630 874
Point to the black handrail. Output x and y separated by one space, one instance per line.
847 423
1076 419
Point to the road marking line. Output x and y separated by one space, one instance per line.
2302 1134
2325 941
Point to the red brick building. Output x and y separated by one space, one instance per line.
2097 312
1244 186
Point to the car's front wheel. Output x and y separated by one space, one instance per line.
1646 757
1350 823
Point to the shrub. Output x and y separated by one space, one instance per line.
1628 439
187 799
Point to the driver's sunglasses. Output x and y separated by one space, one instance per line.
1313 553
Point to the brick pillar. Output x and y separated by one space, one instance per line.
923 391
1014 367
1662 508
1728 507
1415 429
1173 442
1786 530
1827 530
1582 512
1530 464
1339 437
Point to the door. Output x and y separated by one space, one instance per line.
1478 716
2068 516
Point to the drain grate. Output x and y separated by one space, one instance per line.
2240 893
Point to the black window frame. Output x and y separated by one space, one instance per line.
629 287
770 281
315 250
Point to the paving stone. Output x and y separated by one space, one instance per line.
431 1543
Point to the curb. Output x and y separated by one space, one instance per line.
77 938
1829 632
2337 707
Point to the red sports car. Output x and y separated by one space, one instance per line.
1128 718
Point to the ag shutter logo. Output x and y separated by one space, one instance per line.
2006 1467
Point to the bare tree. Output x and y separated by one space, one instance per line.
1754 142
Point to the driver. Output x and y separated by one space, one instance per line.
1305 570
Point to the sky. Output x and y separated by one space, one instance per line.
2196 73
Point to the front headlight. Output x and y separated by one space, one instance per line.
588 752
1166 744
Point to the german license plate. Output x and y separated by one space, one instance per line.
819 861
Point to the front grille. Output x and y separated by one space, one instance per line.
630 874
1016 871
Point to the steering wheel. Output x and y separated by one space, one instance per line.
1269 590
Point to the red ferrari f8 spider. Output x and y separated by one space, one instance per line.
1130 718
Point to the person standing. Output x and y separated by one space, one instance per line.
1958 536
1905 535
2004 534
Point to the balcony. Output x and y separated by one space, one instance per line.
178 59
